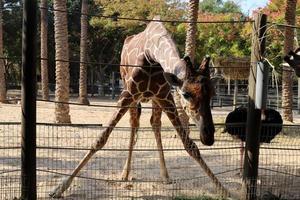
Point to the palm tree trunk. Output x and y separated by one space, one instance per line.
44 50
191 34
287 80
83 54
2 67
62 67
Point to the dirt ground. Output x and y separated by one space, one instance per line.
100 179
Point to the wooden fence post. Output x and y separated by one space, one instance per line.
253 121
28 144
298 99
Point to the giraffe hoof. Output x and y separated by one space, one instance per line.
167 181
57 192
124 177
239 174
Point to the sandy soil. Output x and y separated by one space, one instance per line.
100 179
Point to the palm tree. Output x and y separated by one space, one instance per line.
2 67
83 54
61 56
190 44
44 50
287 81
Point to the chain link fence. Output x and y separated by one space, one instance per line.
61 147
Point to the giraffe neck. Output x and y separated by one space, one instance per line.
160 48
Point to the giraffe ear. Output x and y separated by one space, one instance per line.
189 65
172 79
188 62
204 66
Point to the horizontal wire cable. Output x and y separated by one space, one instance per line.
114 17
136 149
280 148
10 171
95 105
125 65
135 180
284 25
192 127
151 149
144 107
277 171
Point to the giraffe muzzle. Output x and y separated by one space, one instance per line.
207 135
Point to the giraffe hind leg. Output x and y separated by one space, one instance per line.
123 104
135 114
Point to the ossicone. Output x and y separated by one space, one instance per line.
204 66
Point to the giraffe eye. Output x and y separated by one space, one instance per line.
187 95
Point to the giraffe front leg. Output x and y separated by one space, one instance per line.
156 126
135 114
189 145
124 102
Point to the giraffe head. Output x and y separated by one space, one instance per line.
197 89
293 60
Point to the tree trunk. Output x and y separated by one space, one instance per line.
44 50
83 54
2 67
191 34
62 68
287 80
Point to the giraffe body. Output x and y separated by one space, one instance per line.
155 47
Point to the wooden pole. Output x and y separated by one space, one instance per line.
253 120
28 144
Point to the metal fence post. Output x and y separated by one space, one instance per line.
235 94
28 144
253 121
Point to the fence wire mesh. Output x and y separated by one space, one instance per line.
61 147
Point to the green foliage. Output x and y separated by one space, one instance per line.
218 6
137 9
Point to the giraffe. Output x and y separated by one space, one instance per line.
155 47
293 60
